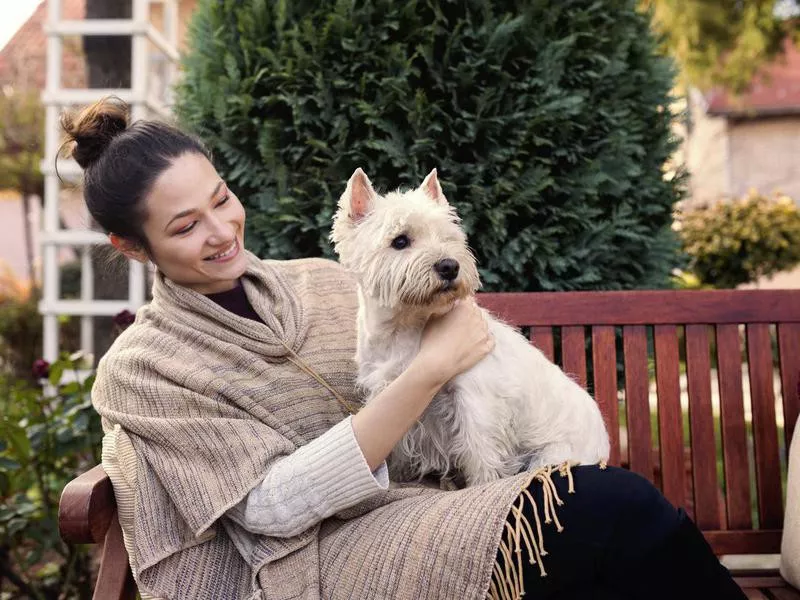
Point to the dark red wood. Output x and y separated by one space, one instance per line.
542 338
789 345
114 579
758 580
701 422
637 384
734 435
648 307
755 594
765 429
785 593
670 426
573 353
604 363
758 541
86 507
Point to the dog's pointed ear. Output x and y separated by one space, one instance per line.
432 188
359 196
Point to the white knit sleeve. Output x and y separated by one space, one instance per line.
316 481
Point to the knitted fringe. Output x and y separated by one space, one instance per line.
507 582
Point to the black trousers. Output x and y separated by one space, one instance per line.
622 540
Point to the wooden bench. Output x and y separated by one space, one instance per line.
738 513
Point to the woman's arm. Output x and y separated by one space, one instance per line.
450 345
316 481
346 464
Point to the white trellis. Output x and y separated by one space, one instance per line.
145 102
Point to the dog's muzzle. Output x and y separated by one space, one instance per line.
447 269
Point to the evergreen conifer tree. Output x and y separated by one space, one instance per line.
548 122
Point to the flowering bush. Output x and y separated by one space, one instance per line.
48 435
738 242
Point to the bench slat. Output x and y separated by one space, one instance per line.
542 338
636 307
734 435
789 345
115 579
604 363
573 352
785 593
670 426
701 419
758 541
640 446
765 429
759 581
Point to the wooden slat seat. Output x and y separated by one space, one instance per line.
682 459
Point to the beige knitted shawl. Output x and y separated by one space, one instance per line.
209 400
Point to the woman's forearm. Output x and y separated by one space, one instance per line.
386 418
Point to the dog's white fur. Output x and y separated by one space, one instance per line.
515 409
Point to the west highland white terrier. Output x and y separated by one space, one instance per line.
513 410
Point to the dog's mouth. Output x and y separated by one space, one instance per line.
448 291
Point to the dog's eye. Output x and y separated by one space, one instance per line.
400 242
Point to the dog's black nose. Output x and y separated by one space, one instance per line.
447 269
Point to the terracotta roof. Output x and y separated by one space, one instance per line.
776 91
23 60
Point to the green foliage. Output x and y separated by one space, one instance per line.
46 439
738 242
686 280
21 141
21 334
721 42
548 123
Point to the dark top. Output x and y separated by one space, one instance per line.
236 301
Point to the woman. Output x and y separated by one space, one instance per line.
241 465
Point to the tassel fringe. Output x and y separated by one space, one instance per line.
507 582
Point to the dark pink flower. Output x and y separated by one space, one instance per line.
124 318
41 368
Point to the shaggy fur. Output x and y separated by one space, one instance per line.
515 409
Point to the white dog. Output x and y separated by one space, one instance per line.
513 410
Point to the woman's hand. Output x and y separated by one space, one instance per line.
454 342
450 345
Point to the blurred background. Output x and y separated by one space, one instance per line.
606 144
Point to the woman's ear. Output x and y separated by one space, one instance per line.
129 248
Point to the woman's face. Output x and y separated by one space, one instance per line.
195 227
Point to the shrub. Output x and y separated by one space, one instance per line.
46 439
548 123
731 243
21 334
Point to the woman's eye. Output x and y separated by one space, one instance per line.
187 229
400 242
224 200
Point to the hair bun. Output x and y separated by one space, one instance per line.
90 132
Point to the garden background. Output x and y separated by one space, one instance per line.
587 145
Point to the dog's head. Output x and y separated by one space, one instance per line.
406 248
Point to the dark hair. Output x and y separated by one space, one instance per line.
121 162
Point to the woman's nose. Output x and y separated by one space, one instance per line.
220 231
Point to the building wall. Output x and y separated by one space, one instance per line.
764 155
705 151
23 59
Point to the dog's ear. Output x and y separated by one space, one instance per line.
432 188
359 196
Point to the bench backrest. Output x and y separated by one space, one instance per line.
725 460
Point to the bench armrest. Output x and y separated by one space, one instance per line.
86 508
